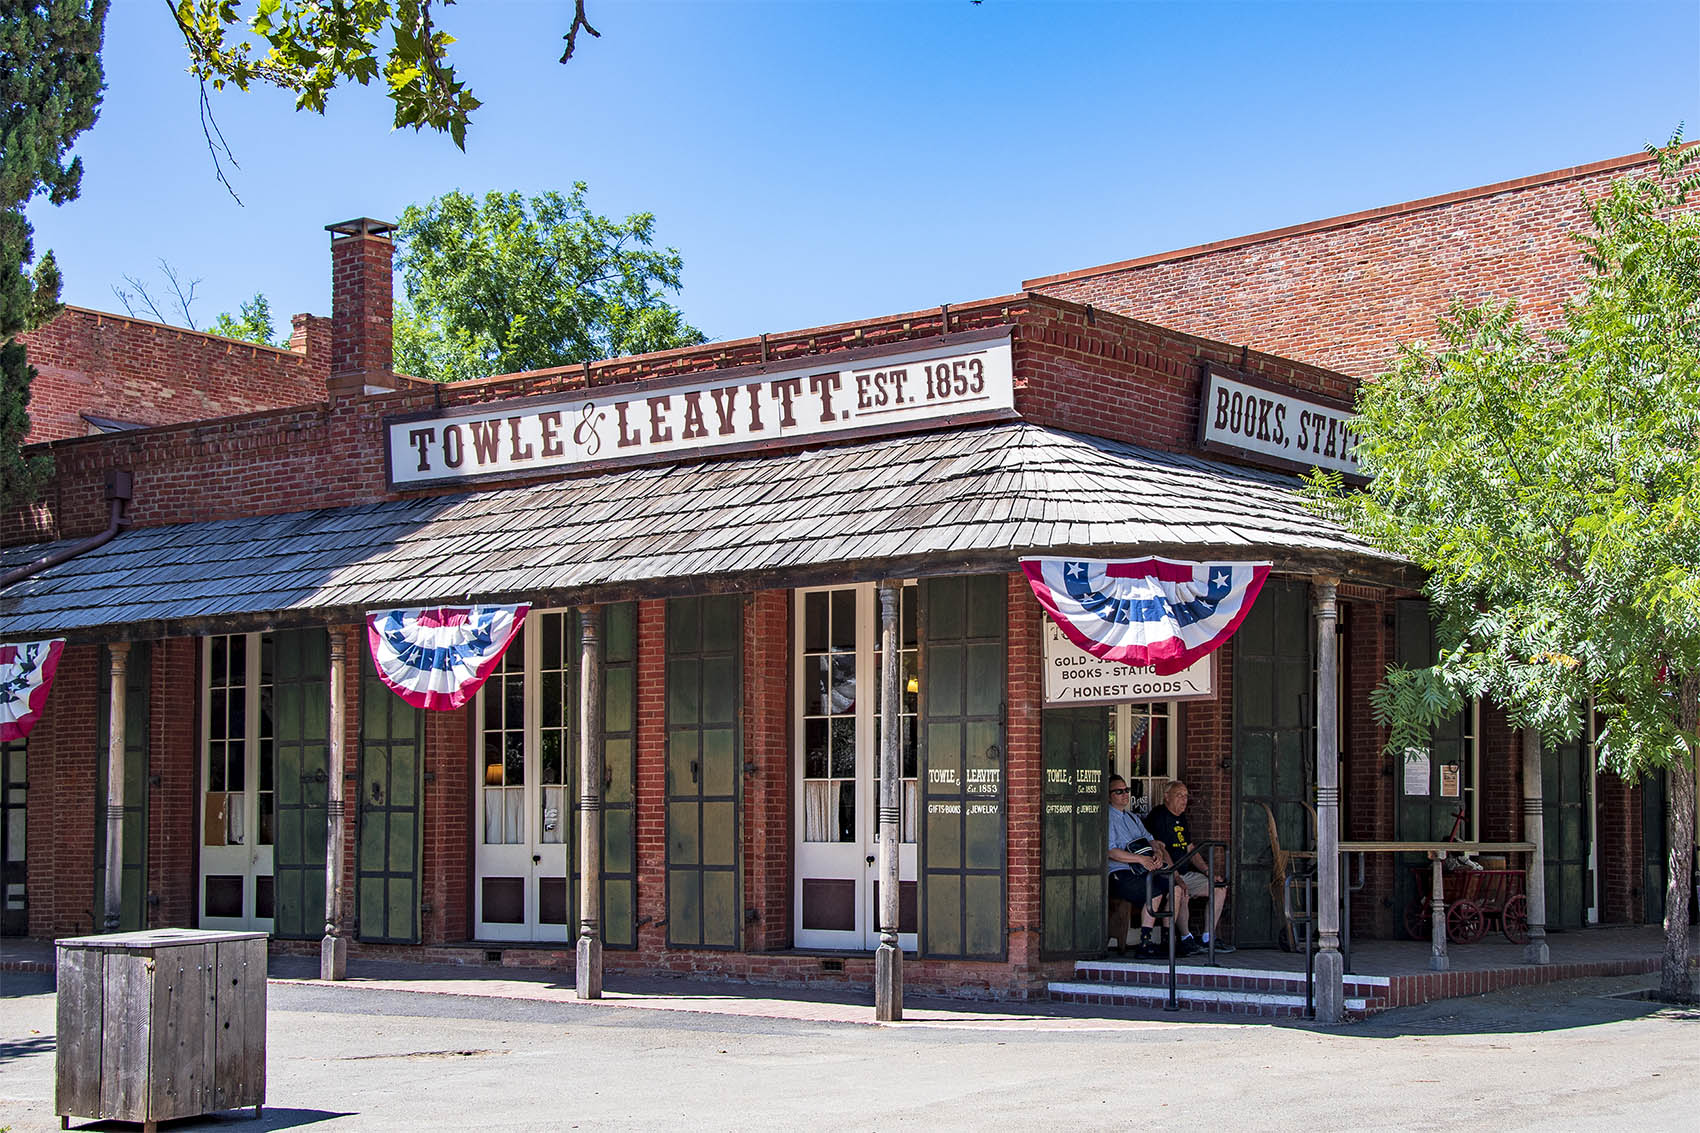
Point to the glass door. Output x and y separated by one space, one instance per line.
237 790
837 715
524 811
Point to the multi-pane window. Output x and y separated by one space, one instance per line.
909 681
1142 746
557 671
504 748
230 700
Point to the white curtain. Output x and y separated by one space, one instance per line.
820 810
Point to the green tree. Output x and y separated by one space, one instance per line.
512 283
1550 485
251 323
50 84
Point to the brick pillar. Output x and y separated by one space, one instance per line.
1023 775
768 845
362 298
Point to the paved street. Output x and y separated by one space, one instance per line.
349 1057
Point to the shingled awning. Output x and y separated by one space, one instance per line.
966 499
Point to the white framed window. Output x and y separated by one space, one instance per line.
1143 749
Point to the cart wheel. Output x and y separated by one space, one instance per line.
1515 919
1465 923
1419 919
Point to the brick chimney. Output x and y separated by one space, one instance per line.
362 273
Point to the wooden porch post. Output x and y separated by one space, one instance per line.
1330 965
1536 951
119 672
587 972
333 949
888 958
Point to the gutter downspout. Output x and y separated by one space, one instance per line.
119 486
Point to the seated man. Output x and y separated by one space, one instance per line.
1167 827
1132 856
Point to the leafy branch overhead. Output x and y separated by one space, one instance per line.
309 47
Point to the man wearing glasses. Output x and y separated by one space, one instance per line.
1133 854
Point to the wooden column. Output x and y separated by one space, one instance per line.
1534 830
119 651
888 958
333 949
1437 958
587 973
1330 964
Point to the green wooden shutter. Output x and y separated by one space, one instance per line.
619 814
1274 738
389 831
299 723
704 752
963 654
1075 830
132 913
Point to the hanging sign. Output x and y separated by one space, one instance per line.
1074 676
26 675
1152 611
1416 771
956 379
1256 420
438 657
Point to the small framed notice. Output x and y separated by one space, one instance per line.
1449 781
1416 771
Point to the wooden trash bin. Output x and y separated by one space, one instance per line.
161 1024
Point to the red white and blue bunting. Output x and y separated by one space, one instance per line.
1154 612
437 657
26 675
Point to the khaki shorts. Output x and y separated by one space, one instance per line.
1197 885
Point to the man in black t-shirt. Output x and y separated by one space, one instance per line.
1167 825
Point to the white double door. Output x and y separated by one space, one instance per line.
523 817
836 657
238 800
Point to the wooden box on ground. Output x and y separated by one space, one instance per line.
161 1024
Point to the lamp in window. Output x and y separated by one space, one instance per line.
913 686
493 775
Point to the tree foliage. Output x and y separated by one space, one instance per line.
251 323
512 283
1550 485
50 85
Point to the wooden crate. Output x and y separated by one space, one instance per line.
161 1024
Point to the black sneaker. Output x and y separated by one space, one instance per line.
1224 946
1146 950
1187 946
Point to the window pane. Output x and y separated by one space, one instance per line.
553 803
847 811
844 619
814 622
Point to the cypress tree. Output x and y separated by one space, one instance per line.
50 87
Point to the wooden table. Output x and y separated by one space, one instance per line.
1437 854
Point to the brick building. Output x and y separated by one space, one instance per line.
736 524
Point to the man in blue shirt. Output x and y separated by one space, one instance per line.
1133 854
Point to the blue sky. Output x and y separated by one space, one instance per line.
820 162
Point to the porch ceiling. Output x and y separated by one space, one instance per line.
973 498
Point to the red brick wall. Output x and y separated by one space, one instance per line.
1618 850
362 297
1024 764
767 842
62 809
651 797
147 373
1367 779
448 849
1341 293
174 725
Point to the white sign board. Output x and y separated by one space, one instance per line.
1251 419
1074 676
961 377
1416 771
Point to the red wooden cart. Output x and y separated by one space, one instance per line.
1476 900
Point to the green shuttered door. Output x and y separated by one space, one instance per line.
392 734
619 735
963 650
300 727
1077 750
704 748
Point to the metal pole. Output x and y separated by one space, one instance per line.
333 949
888 958
119 652
1534 830
587 973
1330 965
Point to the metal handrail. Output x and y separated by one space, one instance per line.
1304 881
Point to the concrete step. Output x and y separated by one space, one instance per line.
1220 976
1223 1001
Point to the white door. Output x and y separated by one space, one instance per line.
524 811
837 659
237 771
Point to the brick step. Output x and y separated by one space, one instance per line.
1150 974
1212 1000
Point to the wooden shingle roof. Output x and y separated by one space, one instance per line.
966 499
